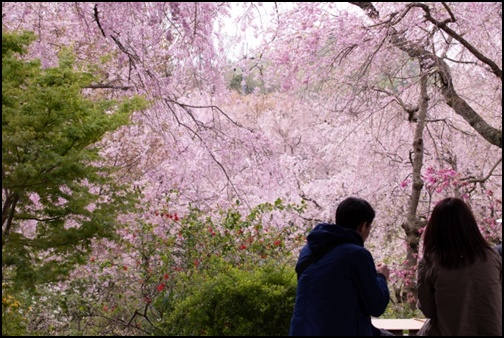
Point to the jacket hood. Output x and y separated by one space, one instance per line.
326 235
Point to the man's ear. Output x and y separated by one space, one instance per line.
361 226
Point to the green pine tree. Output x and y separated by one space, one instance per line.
52 178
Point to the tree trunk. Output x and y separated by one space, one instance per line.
413 224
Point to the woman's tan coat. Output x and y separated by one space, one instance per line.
462 302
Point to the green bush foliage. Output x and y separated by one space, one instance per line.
235 302
53 178
14 312
141 281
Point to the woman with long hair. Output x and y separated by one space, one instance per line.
459 276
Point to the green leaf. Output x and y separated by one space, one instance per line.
50 154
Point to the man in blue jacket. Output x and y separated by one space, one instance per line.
339 286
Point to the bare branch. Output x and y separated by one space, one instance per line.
183 105
409 109
485 178
227 177
368 8
97 19
436 66
107 86
443 25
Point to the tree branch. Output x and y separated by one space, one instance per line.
11 211
437 66
107 86
485 178
97 19
443 25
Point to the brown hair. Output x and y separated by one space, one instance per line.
452 238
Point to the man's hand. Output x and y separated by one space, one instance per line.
383 269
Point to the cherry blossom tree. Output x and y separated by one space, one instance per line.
370 60
399 103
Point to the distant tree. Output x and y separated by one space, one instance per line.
56 196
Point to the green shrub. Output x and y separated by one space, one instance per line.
235 302
14 312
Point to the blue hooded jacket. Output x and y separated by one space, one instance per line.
337 294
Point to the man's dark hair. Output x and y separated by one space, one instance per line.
353 211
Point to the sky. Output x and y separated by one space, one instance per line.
247 14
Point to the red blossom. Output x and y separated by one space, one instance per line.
161 287
165 276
